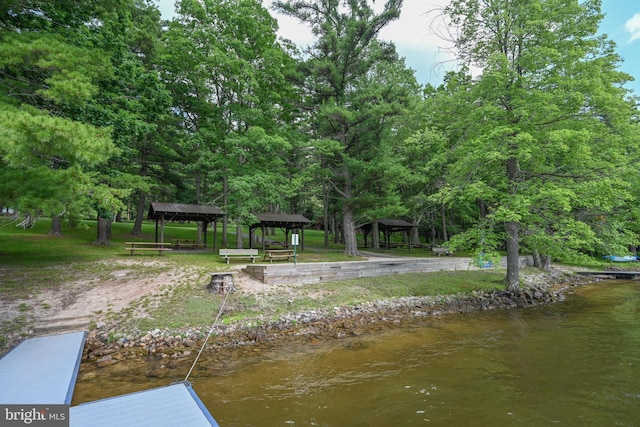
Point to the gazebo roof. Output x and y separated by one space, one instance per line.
280 220
389 225
184 212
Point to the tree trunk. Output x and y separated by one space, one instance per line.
104 232
200 229
238 236
542 262
225 219
432 227
415 235
336 229
350 242
445 236
512 228
513 257
325 215
375 235
27 222
56 226
137 224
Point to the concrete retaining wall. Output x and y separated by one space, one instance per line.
307 273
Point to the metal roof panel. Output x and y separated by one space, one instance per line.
181 211
170 406
41 370
282 218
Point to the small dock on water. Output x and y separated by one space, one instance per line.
42 372
621 275
170 406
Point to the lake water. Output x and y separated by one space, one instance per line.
575 363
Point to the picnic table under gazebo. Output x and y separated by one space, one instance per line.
387 227
286 222
207 214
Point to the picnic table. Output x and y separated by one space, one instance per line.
185 243
159 247
279 254
268 244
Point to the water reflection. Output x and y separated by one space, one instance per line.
571 364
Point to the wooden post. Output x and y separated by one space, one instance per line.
215 235
162 228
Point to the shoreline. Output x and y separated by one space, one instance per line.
106 346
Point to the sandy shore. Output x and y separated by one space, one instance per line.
81 304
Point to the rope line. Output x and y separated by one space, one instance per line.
224 302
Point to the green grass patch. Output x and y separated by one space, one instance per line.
31 261
35 248
358 291
198 308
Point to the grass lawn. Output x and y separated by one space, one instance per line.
31 261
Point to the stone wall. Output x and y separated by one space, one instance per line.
308 273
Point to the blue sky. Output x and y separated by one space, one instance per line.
622 25
416 36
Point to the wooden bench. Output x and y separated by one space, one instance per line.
147 246
284 254
442 251
239 253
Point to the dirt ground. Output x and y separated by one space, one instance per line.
76 304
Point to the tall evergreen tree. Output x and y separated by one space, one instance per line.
46 152
355 84
227 73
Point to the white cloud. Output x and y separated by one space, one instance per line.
167 8
633 27
419 23
419 35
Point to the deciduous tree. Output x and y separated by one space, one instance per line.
546 139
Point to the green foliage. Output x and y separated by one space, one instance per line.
46 68
357 86
228 78
535 142
32 138
101 102
50 144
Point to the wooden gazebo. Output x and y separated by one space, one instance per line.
161 212
388 227
286 222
